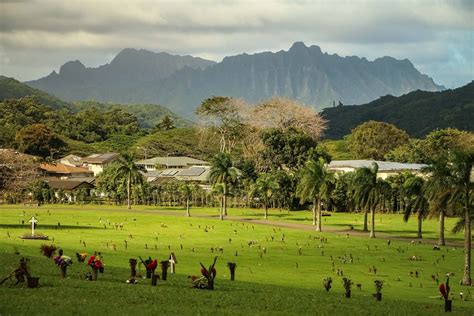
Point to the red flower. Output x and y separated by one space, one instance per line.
213 272
204 272
152 265
442 290
97 264
91 260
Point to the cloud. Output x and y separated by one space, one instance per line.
38 36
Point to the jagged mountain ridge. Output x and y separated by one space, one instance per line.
303 73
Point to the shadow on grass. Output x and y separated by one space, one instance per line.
62 227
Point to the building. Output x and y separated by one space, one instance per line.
62 171
97 162
386 168
71 187
71 160
172 162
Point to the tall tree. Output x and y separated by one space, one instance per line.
223 116
310 187
439 192
39 140
265 187
128 171
222 171
460 179
414 187
375 139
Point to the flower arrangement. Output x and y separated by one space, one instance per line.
327 283
347 283
48 250
150 265
444 291
96 264
63 261
378 286
81 257
208 276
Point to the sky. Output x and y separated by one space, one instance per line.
38 36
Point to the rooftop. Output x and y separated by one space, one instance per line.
100 158
62 168
68 184
72 160
383 165
172 161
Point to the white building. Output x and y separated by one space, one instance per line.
386 168
97 162
172 162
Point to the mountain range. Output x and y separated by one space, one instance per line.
302 73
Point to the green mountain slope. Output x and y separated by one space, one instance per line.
418 112
11 88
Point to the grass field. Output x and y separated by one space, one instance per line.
279 281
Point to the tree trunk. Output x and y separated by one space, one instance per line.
420 222
441 229
315 202
372 222
365 229
466 280
318 224
266 209
129 184
225 200
221 208
188 214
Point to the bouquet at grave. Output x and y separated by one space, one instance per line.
232 266
62 262
81 257
327 283
444 290
150 266
48 250
95 263
208 276
347 283
378 289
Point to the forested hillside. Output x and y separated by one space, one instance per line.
418 112
12 89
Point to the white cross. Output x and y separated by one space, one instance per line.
33 221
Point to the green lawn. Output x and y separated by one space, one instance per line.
278 282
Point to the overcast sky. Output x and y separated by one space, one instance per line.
39 36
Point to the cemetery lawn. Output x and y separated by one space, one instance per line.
275 280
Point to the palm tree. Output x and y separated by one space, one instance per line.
460 179
129 172
414 189
438 192
187 191
310 184
368 193
222 172
265 186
